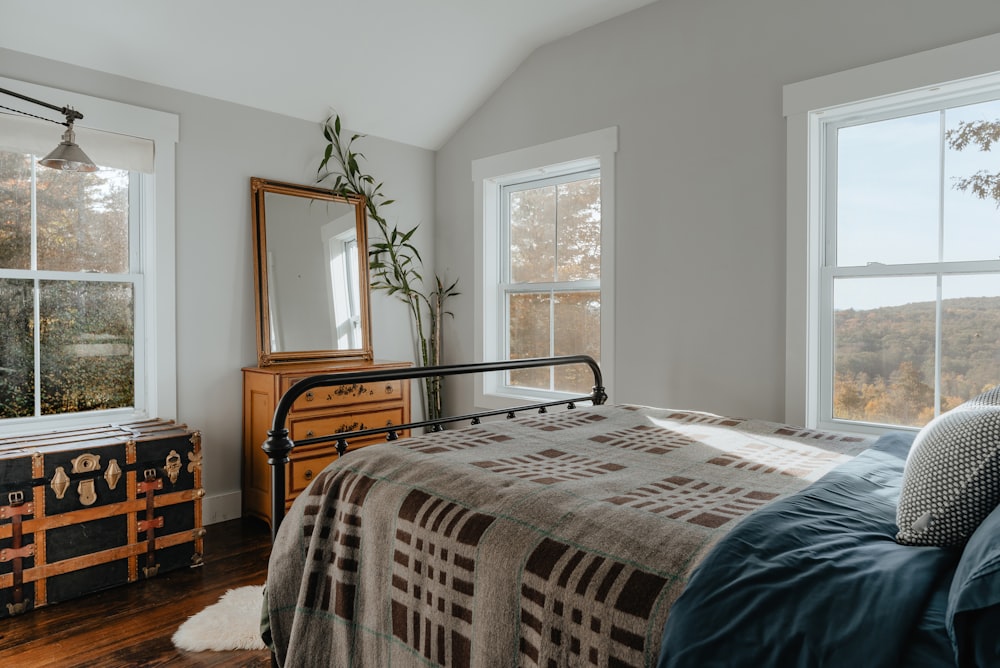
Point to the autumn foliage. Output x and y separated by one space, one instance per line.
84 327
885 357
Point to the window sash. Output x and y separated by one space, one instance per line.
506 288
829 270
561 176
139 185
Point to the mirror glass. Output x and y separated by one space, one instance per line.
311 278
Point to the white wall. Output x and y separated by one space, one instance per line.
221 146
695 89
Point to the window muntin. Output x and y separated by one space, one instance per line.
911 274
550 276
68 262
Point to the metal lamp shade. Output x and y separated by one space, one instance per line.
68 156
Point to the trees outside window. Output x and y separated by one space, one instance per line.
68 284
544 254
551 276
910 275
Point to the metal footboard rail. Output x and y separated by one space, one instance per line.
278 445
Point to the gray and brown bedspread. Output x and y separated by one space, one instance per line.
546 540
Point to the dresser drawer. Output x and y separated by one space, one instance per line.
306 464
336 424
301 470
345 395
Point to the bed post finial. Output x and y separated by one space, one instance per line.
277 446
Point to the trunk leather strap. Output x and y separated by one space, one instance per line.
18 551
149 486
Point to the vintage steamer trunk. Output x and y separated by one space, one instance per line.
88 509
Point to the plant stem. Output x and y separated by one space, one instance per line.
395 262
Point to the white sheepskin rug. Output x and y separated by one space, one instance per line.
232 623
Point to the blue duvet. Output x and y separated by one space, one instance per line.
816 579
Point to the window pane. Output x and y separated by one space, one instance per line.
972 185
970 337
887 191
579 233
533 235
83 220
17 360
883 348
529 337
15 210
577 332
86 346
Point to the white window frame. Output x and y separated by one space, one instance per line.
489 175
156 389
954 71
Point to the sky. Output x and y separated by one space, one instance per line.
896 197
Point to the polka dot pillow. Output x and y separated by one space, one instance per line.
952 477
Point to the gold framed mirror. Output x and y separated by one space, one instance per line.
311 288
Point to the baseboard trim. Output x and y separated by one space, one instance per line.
221 507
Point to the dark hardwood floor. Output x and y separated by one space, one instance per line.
132 625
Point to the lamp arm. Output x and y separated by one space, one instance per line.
70 113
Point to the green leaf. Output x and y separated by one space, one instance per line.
395 264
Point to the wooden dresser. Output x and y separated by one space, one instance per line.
323 411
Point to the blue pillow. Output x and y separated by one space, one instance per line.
973 617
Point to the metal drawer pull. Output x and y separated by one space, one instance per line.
308 474
310 434
309 395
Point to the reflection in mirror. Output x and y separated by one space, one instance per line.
310 267
312 273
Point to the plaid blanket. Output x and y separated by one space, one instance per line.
546 540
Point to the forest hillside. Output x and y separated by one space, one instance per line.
885 357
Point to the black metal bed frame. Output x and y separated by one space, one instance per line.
278 445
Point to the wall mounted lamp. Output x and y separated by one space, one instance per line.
67 155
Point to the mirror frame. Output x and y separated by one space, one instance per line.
259 188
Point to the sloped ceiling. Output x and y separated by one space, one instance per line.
407 70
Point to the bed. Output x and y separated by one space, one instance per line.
617 535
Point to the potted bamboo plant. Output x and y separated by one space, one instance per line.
395 263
